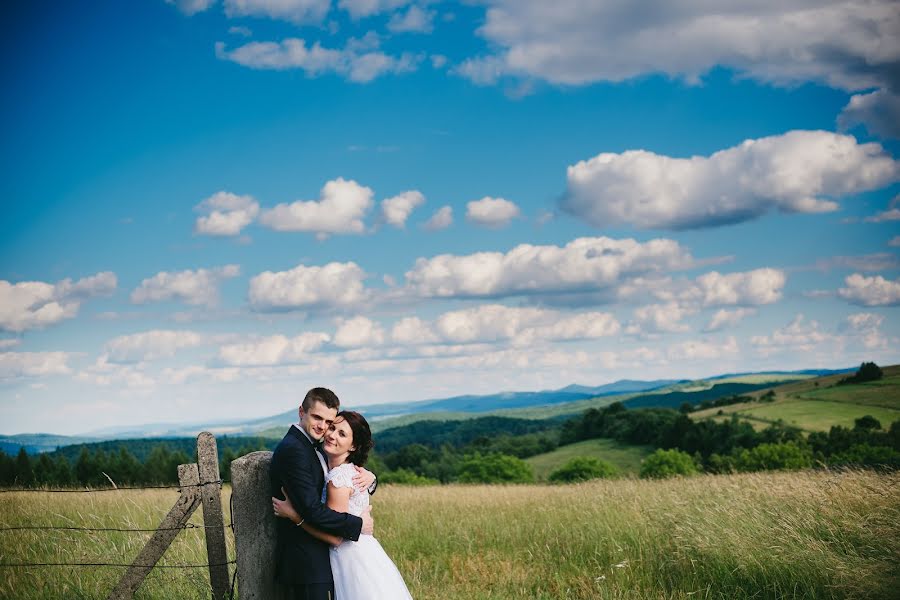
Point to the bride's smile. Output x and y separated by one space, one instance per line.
339 439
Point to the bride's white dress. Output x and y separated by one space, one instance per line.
362 570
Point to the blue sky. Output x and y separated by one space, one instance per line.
211 206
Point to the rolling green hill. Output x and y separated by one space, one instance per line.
818 403
624 457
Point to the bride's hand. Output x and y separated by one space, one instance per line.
284 509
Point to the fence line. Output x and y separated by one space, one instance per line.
157 566
112 489
129 530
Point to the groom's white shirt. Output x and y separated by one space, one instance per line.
314 443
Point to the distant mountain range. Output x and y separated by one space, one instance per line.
660 392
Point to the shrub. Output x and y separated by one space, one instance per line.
867 422
583 468
406 477
667 463
867 372
787 456
494 468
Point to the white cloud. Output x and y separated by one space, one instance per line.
848 44
760 286
796 173
358 332
227 214
191 7
397 209
301 12
14 365
441 219
200 287
333 285
105 373
414 20
703 350
438 61
272 350
366 8
878 111
412 331
491 212
659 318
240 30
870 291
34 304
358 61
867 327
798 336
522 326
891 214
340 209
9 343
150 345
879 261
728 318
894 242
584 264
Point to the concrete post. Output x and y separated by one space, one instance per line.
254 527
210 495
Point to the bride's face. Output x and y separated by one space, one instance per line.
339 439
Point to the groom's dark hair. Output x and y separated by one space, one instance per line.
323 395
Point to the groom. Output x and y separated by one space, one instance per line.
302 562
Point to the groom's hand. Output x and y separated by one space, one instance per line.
363 479
368 525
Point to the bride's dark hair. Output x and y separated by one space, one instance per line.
362 436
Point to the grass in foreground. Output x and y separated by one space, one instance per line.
773 535
624 457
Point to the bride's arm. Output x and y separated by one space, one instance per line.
284 509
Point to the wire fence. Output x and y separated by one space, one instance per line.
28 565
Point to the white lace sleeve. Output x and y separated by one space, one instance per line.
342 476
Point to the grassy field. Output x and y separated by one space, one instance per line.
624 457
769 535
816 404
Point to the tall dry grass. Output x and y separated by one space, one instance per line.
769 535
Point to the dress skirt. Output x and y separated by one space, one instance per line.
363 571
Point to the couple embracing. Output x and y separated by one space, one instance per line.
325 548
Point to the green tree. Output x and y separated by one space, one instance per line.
867 422
406 477
583 468
7 469
494 468
24 471
667 463
787 456
686 407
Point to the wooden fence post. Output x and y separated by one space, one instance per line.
210 488
189 478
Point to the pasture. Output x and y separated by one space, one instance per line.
624 457
799 535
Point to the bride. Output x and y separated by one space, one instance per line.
362 570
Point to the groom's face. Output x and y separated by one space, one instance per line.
316 421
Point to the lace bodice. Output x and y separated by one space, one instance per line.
342 477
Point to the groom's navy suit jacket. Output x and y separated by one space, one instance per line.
301 558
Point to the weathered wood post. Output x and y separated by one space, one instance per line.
210 494
254 527
188 501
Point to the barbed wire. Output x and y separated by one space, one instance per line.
200 566
127 530
112 489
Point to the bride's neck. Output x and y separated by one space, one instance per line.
336 461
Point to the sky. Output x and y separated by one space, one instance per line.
209 207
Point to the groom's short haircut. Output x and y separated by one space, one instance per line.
323 395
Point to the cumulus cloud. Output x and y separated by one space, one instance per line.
491 212
796 173
397 209
412 331
584 264
728 318
226 214
15 365
341 207
798 336
894 242
150 345
301 12
366 8
867 327
191 7
200 287
35 304
760 286
414 20
659 318
441 219
358 332
521 326
891 214
360 61
333 285
703 350
848 44
870 291
272 350
878 111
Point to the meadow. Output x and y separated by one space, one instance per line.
815 534
625 457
